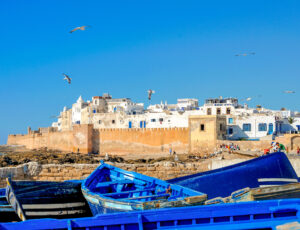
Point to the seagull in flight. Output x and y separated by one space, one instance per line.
247 99
289 91
67 78
150 92
79 28
245 54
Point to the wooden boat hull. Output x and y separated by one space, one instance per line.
273 169
244 215
287 191
7 213
110 189
45 199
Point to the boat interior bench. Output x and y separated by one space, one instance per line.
147 197
128 192
108 183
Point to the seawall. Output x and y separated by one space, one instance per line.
162 170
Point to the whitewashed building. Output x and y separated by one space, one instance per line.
242 122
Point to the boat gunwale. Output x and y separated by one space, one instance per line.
220 170
212 211
17 205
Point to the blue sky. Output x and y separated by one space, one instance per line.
178 48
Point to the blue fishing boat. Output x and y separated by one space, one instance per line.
7 213
41 199
269 170
272 214
110 189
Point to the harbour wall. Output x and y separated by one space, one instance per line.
162 170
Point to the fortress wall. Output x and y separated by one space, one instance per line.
154 140
86 139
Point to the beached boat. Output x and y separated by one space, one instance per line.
111 189
272 214
272 169
46 199
7 213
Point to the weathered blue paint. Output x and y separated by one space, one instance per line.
7 213
222 182
244 215
40 199
110 189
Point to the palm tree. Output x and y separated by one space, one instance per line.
291 120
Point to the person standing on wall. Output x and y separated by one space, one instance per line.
170 150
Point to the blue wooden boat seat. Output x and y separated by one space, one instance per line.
129 192
147 197
108 183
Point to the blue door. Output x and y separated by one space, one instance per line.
144 124
129 124
141 124
271 129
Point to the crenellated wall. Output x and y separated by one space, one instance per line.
68 141
147 140
85 139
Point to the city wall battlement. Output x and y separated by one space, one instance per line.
86 139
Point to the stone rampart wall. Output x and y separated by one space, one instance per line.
141 140
57 140
85 139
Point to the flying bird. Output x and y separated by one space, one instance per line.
245 54
150 92
67 78
79 28
54 116
289 91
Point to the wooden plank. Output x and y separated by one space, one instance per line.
128 192
107 183
145 197
53 206
195 199
54 213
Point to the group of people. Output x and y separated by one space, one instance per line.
275 147
230 147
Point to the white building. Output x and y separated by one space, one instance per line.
76 110
187 103
242 122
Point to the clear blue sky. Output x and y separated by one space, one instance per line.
178 48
